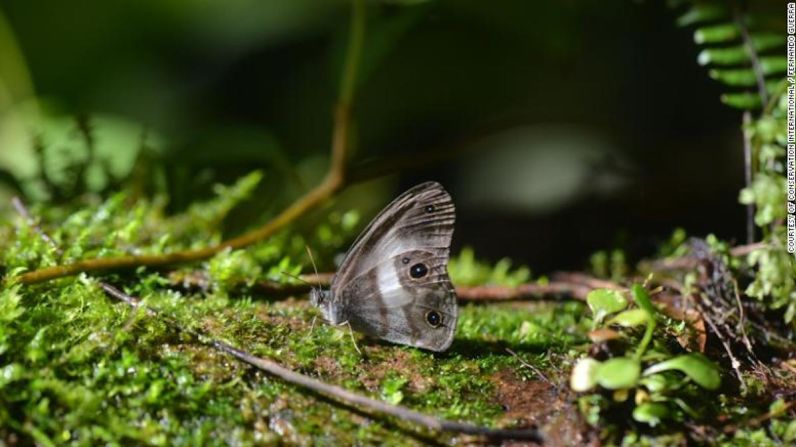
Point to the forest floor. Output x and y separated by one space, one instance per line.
78 367
99 370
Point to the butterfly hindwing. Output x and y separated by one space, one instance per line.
413 303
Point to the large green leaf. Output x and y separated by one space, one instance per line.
697 367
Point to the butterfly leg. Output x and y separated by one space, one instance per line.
312 326
351 333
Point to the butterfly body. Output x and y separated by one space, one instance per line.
393 283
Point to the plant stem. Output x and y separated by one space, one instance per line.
356 38
645 341
760 77
334 181
748 168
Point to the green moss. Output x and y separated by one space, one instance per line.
466 270
79 368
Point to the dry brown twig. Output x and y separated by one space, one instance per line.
334 181
529 366
691 262
759 420
565 284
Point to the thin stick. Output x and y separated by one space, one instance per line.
476 294
529 366
743 250
334 392
690 262
314 198
586 280
22 210
760 76
528 291
756 421
734 362
742 319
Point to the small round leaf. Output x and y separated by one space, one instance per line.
619 372
604 302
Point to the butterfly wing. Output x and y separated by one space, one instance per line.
394 283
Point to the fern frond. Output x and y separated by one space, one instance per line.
742 46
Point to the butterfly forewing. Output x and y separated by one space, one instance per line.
422 217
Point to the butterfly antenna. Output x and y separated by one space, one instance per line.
312 259
296 278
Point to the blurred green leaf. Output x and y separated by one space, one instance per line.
655 383
723 56
744 77
391 389
721 33
465 269
651 413
697 367
603 302
767 192
618 373
642 299
773 64
15 80
701 12
764 41
744 100
631 318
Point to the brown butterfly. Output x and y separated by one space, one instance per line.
393 283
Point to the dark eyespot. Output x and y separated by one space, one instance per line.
433 318
405 260
430 208
418 270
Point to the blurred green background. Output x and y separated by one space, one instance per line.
560 127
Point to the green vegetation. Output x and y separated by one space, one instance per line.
656 383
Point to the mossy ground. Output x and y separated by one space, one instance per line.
87 370
77 367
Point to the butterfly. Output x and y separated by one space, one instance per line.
393 283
